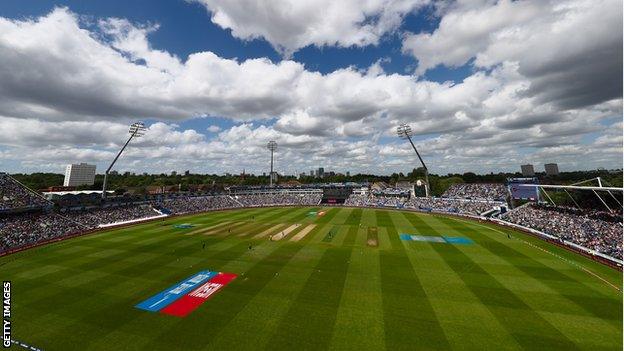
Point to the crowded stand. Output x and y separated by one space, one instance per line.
357 200
23 229
599 231
491 192
279 199
92 218
373 200
197 204
14 195
423 204
475 208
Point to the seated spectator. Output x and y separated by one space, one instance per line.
279 199
468 207
493 192
594 230
14 195
94 217
198 204
23 229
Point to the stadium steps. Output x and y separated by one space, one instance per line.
236 200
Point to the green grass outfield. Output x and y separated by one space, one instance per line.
322 292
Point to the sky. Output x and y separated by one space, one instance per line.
485 85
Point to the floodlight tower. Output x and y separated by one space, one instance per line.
137 130
405 132
272 145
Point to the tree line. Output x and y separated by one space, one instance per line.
186 182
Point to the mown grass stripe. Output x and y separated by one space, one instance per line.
98 312
601 307
511 311
359 321
333 231
261 316
455 306
120 316
351 235
328 216
342 216
409 319
383 218
311 317
355 217
224 307
118 268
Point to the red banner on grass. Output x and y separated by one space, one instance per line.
189 302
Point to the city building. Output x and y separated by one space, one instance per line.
79 174
527 170
551 169
320 173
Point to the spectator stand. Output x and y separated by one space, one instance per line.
16 197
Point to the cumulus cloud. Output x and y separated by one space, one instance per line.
568 49
213 129
291 24
68 92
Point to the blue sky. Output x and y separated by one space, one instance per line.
330 91
185 28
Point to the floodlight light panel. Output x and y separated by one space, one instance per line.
137 129
404 131
272 145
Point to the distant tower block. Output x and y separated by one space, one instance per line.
527 170
79 174
552 169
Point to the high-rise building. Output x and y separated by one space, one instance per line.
348 174
320 173
79 174
551 169
312 173
527 170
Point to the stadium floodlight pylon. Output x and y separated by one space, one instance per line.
272 145
404 131
137 130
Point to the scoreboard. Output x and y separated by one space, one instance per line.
336 195
523 188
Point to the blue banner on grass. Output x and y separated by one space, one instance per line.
174 292
457 240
